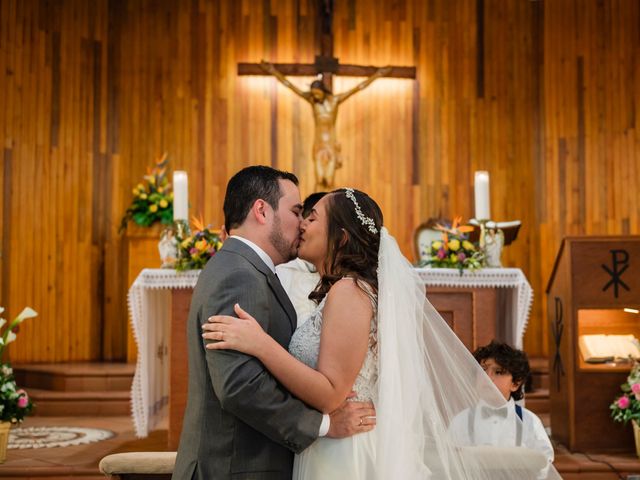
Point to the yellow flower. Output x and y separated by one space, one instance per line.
136 192
454 245
454 258
436 245
163 203
152 180
140 187
467 245
153 208
143 196
186 242
160 189
171 195
201 245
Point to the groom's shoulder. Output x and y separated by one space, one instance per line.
230 263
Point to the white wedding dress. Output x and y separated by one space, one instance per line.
348 458
419 376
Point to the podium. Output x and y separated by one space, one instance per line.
593 280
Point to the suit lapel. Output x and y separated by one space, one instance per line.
284 299
242 249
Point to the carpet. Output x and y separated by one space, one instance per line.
48 437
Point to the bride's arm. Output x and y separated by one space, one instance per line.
343 347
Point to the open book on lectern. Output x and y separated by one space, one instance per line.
607 348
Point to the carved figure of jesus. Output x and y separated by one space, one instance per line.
326 148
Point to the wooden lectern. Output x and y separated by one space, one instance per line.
593 280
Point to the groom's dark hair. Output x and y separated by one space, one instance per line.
247 186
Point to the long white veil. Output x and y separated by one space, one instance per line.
427 377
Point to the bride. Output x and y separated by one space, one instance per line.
374 333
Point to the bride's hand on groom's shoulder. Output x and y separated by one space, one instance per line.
243 334
351 418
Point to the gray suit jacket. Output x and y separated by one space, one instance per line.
240 423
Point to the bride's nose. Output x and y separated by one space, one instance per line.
303 225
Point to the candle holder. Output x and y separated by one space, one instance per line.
181 231
491 241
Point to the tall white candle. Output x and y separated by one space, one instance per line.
180 196
483 210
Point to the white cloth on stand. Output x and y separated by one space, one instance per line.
298 278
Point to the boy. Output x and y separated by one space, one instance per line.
511 425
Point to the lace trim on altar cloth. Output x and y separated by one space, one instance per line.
166 278
147 411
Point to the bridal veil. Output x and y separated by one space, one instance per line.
426 378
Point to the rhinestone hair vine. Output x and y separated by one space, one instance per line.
364 220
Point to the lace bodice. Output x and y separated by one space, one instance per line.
305 346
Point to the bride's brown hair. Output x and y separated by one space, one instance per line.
352 247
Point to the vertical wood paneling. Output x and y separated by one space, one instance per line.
542 94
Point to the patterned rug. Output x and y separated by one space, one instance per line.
47 437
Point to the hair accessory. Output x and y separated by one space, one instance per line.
364 220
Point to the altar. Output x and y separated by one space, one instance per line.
479 306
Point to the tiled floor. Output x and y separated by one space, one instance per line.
81 462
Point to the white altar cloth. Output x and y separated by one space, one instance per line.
519 300
150 312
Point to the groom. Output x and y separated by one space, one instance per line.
239 421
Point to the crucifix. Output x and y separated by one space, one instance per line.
326 148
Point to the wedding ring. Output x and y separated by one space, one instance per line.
360 424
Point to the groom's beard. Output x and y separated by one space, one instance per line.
287 250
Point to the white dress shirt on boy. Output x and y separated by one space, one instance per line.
485 425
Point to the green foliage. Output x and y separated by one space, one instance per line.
152 199
14 402
627 406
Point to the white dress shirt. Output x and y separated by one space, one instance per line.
484 425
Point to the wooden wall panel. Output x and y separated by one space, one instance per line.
542 94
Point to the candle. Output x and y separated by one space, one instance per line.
180 196
483 211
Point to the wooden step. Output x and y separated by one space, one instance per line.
540 381
77 389
51 403
75 377
538 401
539 374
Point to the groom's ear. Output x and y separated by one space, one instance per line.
259 211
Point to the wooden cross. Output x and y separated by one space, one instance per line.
326 152
325 63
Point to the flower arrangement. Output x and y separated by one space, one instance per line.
195 251
627 406
14 402
454 249
152 198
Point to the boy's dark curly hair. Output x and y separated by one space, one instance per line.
512 360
